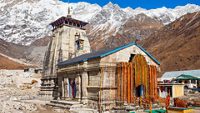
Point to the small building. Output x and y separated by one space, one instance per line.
189 77
38 70
188 80
173 89
32 70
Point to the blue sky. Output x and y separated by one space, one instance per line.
148 4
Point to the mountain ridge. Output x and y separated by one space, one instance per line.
25 31
23 22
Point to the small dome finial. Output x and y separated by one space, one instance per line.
69 12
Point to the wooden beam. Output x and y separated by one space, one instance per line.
129 83
122 85
132 81
125 82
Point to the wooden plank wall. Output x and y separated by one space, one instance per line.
131 75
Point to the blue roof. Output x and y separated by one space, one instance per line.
101 54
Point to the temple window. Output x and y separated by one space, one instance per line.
79 42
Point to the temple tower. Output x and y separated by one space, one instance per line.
68 40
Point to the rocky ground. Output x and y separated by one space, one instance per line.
192 98
19 93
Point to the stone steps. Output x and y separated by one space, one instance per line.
58 105
62 104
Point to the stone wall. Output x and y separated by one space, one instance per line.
102 88
125 54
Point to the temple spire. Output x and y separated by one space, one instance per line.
69 11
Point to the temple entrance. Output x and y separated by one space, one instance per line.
136 80
72 88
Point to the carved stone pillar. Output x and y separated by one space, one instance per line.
63 89
84 83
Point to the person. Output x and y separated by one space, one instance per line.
73 85
167 101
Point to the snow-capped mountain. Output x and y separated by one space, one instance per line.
109 19
166 15
24 21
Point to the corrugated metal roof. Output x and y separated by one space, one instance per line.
174 74
101 54
82 58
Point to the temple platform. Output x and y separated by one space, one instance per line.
73 106
62 103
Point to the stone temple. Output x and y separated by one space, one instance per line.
102 80
69 40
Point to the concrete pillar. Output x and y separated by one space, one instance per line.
189 81
173 90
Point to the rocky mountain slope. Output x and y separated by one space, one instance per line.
10 63
177 45
11 49
138 27
32 54
24 21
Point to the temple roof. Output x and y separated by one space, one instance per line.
68 21
101 54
